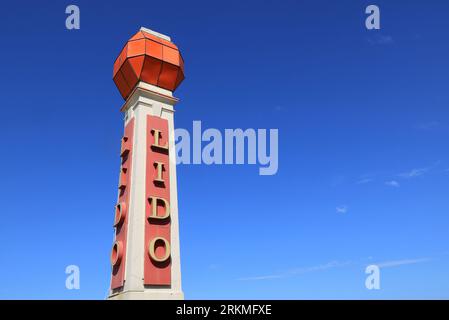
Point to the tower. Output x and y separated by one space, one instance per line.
145 256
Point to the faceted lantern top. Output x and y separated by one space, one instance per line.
150 57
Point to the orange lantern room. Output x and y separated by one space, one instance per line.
149 58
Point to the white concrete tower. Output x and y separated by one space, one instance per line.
145 256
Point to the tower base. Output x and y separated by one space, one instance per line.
147 295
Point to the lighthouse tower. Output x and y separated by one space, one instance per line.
145 257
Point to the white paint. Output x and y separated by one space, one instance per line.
154 33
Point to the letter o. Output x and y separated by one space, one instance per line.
152 249
124 147
120 213
117 253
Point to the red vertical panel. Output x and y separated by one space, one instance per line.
118 270
157 273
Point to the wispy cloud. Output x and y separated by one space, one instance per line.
414 173
393 183
396 263
336 264
278 108
364 181
393 180
342 209
293 272
267 277
428 125
321 267
367 178
214 266
380 40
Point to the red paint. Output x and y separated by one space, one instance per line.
118 270
156 273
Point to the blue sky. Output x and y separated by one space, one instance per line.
363 146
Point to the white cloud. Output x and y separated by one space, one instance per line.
267 277
342 209
381 40
364 180
334 264
329 265
393 183
293 272
414 173
396 263
428 125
